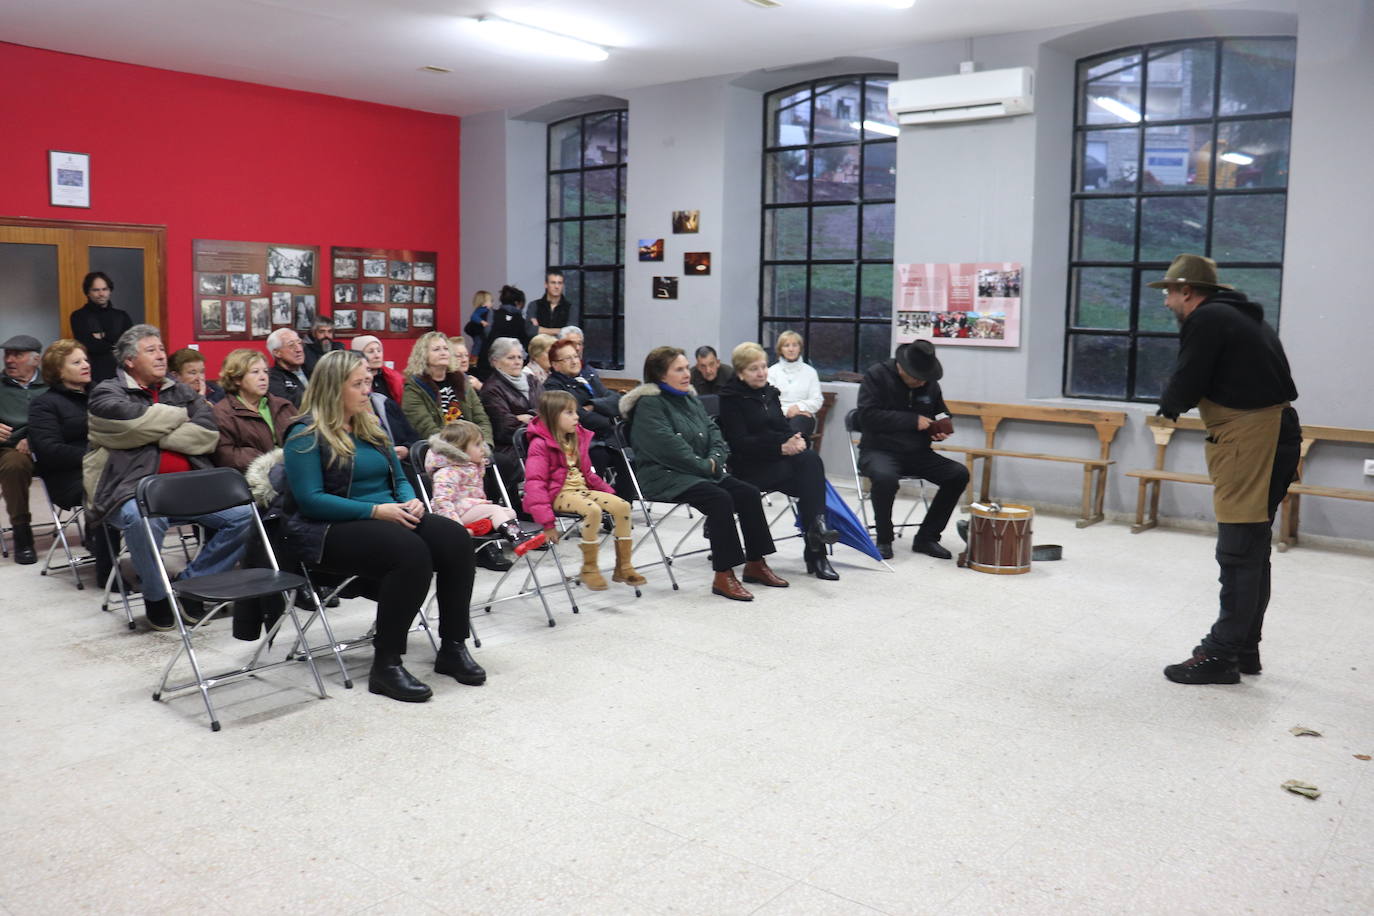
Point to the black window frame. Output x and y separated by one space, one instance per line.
579 267
806 322
1142 269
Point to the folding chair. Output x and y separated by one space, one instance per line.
194 493
619 440
854 433
64 518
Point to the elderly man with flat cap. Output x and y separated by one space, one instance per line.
1232 367
899 400
19 385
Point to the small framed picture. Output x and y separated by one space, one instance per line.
345 268
400 270
374 292
665 287
421 318
69 179
374 267
400 321
651 249
424 271
686 221
345 319
696 263
346 292
374 320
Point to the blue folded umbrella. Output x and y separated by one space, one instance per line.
842 518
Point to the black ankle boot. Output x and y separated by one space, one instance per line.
1204 669
818 564
389 679
820 534
24 554
455 660
489 556
1249 662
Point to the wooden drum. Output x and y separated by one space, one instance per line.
999 538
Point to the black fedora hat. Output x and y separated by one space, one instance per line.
919 361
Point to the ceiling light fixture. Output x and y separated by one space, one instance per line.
876 127
538 41
1122 111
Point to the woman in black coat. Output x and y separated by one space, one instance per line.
765 451
57 435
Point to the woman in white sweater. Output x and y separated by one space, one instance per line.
798 385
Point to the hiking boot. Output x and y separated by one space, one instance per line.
1249 662
1203 669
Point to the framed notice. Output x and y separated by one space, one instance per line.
69 179
246 290
399 282
964 305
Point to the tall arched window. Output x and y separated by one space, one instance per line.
586 227
829 184
1179 147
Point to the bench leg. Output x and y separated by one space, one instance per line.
987 478
1092 508
969 465
1288 521
1141 523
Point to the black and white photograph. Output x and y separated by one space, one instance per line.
261 310
400 321
424 270
400 270
69 179
305 312
210 317
345 292
245 284
399 294
686 221
235 316
214 284
374 292
345 319
345 268
665 287
374 320
420 318
374 267
290 266
423 295
281 308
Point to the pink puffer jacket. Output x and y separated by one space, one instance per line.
457 481
546 469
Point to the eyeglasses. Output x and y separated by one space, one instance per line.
566 359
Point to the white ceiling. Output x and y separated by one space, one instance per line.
373 49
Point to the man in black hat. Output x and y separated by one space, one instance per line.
98 324
899 399
1232 367
19 385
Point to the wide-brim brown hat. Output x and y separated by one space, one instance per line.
1193 270
919 361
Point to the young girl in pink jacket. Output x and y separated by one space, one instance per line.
559 478
457 460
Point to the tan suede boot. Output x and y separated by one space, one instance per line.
591 574
624 569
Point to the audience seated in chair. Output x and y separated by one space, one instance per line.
799 387
19 386
188 367
287 377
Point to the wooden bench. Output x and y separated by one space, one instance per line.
1104 422
1163 430
621 385
1292 504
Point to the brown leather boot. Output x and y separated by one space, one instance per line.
727 586
624 569
591 573
758 573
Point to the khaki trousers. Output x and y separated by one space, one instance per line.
16 474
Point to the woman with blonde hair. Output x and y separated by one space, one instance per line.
251 421
538 366
798 385
351 509
436 395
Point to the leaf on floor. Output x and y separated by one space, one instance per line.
1300 730
1302 788
1361 756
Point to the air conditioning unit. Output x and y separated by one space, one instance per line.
965 97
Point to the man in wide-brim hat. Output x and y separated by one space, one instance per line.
899 400
1232 367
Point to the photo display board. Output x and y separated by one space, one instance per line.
385 292
246 290
967 305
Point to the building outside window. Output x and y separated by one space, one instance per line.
1179 147
586 227
829 188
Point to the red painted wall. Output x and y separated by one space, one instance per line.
217 159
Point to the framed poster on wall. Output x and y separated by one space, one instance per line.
245 290
400 283
965 305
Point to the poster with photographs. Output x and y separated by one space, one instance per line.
257 286
345 320
399 282
969 305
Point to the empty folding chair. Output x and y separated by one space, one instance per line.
195 493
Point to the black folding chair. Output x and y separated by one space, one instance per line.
853 435
194 493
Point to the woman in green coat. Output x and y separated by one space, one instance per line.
680 458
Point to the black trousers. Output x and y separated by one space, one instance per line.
885 471
801 475
720 501
401 561
1243 557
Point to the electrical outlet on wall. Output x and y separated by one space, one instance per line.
1369 467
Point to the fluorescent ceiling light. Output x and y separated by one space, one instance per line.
876 127
1236 158
1123 112
534 40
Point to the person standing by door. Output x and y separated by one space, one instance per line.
98 324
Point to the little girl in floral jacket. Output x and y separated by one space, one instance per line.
457 461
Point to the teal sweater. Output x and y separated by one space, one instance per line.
369 485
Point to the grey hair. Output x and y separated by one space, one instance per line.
126 348
569 330
501 346
274 340
704 351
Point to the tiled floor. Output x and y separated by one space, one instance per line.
926 740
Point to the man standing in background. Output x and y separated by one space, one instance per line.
98 324
553 312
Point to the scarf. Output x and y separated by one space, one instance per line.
669 389
520 382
